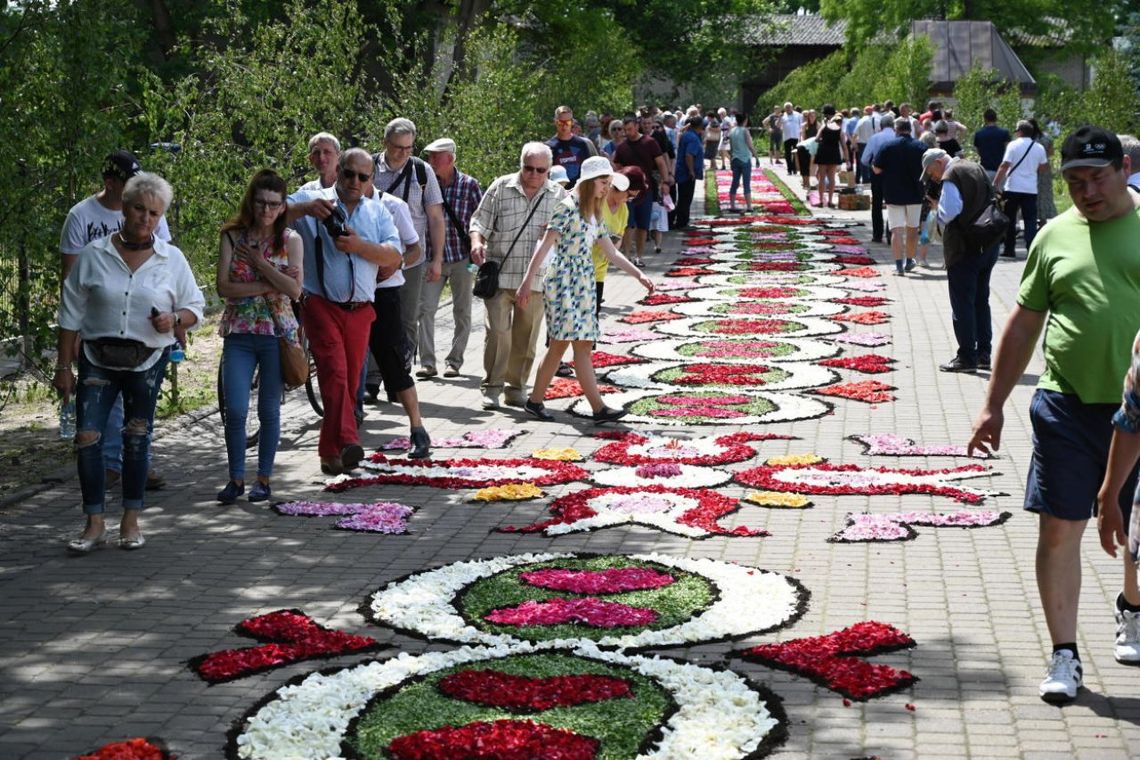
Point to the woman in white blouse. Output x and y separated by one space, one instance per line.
125 296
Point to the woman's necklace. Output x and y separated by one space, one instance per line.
132 246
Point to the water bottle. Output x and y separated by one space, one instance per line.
177 354
472 267
67 420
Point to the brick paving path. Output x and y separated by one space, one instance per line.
94 648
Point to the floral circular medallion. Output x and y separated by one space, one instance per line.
523 701
498 601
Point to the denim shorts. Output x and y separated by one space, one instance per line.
1070 455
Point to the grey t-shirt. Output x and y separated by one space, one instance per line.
408 190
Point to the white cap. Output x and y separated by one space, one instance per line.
619 182
442 145
558 174
595 166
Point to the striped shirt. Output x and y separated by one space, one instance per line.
500 217
462 196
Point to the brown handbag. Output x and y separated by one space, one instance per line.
294 357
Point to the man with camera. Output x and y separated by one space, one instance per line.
349 239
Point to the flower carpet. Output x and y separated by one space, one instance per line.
767 320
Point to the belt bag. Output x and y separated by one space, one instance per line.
119 353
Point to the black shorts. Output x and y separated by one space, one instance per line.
387 342
1070 455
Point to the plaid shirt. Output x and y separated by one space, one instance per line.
462 196
499 217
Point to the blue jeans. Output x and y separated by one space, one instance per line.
969 281
241 354
741 170
95 395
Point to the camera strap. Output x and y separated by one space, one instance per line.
321 272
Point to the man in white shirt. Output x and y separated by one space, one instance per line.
791 123
865 129
1016 180
98 216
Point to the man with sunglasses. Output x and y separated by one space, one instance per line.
349 240
569 150
505 228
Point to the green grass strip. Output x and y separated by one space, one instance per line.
621 725
712 201
787 192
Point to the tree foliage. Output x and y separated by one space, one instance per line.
1088 24
901 73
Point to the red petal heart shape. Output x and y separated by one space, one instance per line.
498 740
612 581
497 689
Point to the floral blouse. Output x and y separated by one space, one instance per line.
271 314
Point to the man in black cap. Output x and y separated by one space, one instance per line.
1080 285
94 217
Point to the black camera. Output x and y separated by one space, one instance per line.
335 223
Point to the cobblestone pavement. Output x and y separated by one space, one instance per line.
94 649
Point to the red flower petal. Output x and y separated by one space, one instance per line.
497 689
498 740
587 611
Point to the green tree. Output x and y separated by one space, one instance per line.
67 88
1112 99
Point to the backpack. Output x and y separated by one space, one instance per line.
405 176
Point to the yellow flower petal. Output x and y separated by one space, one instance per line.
558 455
779 500
791 460
509 492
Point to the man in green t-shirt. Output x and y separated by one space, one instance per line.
1082 285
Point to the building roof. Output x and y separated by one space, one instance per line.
796 30
960 45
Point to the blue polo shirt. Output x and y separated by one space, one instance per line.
901 162
348 277
690 145
990 142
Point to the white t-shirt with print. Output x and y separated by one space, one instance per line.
90 220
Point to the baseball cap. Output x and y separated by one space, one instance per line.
1091 146
595 166
442 145
929 157
558 174
121 164
619 182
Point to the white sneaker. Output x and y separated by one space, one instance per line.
490 401
1127 649
1062 680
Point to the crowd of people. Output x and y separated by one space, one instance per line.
359 256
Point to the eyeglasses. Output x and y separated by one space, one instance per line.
401 148
268 205
350 174
565 122
535 169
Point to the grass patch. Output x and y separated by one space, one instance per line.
674 604
712 202
621 725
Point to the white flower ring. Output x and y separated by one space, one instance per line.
786 407
751 601
801 327
798 375
718 713
792 350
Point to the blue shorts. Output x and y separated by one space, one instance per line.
641 211
1070 455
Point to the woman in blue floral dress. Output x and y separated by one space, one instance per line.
571 316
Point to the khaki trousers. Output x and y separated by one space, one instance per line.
512 335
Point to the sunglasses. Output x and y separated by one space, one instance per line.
535 169
349 174
268 205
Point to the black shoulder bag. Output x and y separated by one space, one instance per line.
464 237
487 278
988 226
